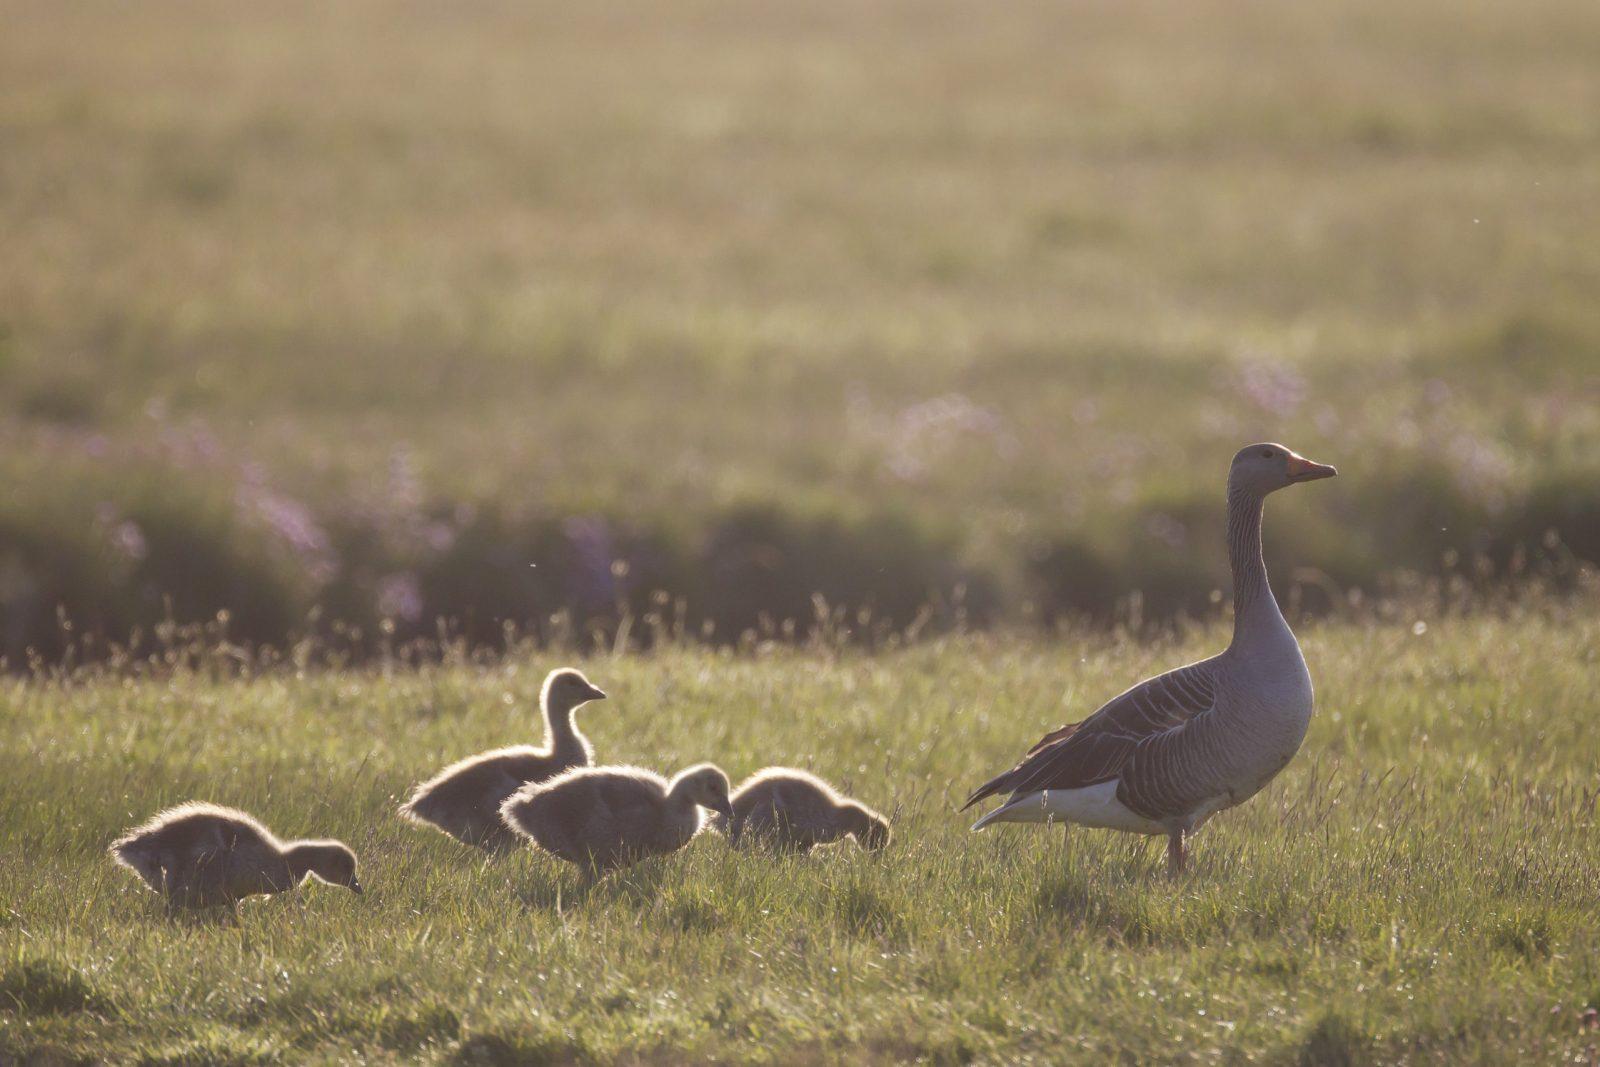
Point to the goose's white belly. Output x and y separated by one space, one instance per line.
1094 805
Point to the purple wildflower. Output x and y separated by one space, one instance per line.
1272 385
291 522
1165 528
925 432
400 597
405 488
594 580
128 539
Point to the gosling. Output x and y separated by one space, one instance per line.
606 818
205 856
464 799
792 811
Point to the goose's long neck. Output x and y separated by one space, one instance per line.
682 807
308 857
1252 596
565 740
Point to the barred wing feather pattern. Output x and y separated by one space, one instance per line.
1110 744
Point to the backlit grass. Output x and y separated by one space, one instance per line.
1419 886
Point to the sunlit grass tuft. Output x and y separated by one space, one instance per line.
1419 885
370 314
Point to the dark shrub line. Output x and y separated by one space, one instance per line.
276 574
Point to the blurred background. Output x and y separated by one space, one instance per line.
342 318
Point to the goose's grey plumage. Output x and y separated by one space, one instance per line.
1175 749
792 811
464 799
603 818
203 855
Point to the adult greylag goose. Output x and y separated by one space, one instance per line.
203 855
464 799
603 818
792 811
1174 750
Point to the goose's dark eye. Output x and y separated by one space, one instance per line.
1266 454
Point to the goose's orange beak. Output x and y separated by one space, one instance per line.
1302 469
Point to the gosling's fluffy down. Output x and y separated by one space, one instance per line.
203 855
464 799
603 818
792 811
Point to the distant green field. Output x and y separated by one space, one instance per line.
370 307
925 330
1420 886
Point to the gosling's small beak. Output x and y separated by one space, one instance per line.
723 807
596 693
1302 469
355 887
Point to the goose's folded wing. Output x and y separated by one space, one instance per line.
1095 750
557 818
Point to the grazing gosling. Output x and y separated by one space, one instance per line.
464 799
792 811
604 818
203 856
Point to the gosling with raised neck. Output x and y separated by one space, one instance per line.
464 799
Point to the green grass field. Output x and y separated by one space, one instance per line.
1420 886
342 319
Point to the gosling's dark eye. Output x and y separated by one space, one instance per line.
1266 454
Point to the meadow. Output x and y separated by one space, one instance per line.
1419 886
845 384
360 311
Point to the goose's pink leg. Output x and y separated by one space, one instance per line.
1177 857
